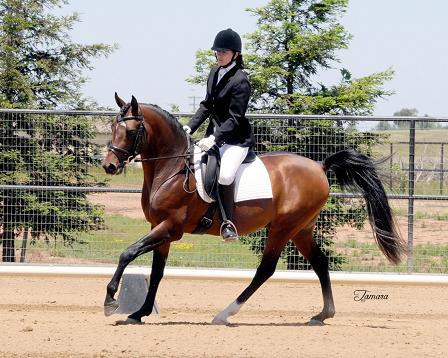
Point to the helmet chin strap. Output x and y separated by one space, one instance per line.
231 61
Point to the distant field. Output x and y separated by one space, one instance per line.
427 160
430 151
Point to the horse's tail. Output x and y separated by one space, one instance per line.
357 171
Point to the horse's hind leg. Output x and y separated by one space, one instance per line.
310 250
266 269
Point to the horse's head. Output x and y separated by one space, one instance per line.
127 133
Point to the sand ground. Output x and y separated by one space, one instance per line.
63 317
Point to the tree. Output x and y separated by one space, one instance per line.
293 42
41 67
413 112
404 112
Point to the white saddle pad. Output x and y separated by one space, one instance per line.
252 180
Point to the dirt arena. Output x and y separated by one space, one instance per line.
63 317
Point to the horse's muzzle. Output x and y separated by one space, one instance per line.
110 168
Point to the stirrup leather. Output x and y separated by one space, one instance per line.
232 225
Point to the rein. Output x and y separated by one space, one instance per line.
160 158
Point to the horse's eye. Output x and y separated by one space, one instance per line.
131 133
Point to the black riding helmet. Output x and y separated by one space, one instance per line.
227 40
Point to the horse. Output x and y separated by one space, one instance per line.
170 204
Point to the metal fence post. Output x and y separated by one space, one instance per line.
411 175
391 166
441 168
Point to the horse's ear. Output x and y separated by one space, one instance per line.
119 101
134 106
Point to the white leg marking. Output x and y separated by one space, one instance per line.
230 310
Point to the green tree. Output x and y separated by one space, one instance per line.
413 112
41 67
294 41
404 112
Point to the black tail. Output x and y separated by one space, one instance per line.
357 171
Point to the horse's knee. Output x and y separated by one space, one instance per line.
125 257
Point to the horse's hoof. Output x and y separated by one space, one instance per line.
219 321
128 321
315 322
110 308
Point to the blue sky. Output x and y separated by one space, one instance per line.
158 39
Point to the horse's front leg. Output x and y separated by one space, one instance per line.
158 266
160 235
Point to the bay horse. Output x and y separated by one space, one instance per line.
171 205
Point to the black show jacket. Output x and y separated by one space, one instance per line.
225 104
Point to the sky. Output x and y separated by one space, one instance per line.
158 39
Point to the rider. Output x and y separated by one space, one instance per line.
225 103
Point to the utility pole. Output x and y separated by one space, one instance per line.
193 103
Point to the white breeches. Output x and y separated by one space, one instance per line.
231 158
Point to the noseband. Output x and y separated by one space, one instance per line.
124 154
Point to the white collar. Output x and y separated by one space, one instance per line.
223 70
228 68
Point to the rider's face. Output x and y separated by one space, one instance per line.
224 57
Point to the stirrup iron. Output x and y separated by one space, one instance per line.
233 227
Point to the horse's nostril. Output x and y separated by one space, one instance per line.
110 168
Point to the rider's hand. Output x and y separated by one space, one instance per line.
187 129
206 143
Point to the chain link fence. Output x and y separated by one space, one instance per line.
58 206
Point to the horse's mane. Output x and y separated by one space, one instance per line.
172 120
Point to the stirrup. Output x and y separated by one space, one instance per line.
233 236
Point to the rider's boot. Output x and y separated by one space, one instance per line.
226 197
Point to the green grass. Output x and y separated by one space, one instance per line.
208 251
367 257
105 246
132 177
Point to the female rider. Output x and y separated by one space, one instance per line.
225 103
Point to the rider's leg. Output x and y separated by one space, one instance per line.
226 199
231 158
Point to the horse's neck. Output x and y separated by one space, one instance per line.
162 141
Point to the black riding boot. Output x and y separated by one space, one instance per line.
227 202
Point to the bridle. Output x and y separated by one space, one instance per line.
127 154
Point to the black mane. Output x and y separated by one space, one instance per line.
172 120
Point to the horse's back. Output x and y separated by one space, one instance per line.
298 183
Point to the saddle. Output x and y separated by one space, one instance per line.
210 166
